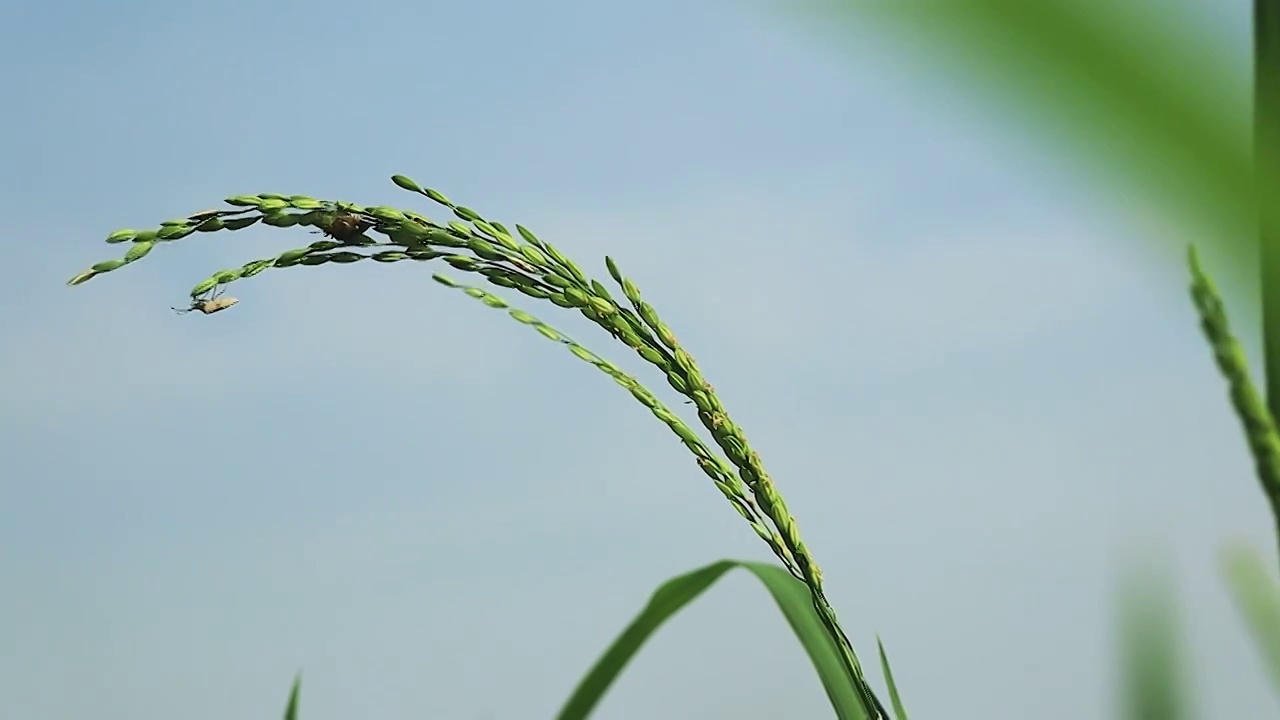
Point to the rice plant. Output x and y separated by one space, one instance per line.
491 254
520 261
1071 67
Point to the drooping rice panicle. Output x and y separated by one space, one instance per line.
470 243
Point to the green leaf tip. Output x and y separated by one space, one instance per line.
898 709
291 709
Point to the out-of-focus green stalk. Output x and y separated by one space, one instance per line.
1266 94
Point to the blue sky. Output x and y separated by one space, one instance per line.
980 408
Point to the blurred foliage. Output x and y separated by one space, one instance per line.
1258 597
1153 681
1136 96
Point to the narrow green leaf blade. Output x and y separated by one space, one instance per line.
291 710
899 711
793 599
1258 598
796 603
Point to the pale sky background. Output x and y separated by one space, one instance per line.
980 396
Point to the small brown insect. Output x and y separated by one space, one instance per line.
346 226
208 306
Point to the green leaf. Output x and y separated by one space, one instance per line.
1152 669
793 600
1135 94
291 710
1258 598
898 710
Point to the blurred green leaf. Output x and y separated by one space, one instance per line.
1153 671
1258 598
1139 95
793 599
291 710
1135 93
1266 34
899 711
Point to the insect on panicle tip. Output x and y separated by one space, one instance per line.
209 306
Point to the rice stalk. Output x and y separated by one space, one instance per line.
523 262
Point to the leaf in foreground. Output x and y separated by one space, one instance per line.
1135 94
291 710
1153 671
793 600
